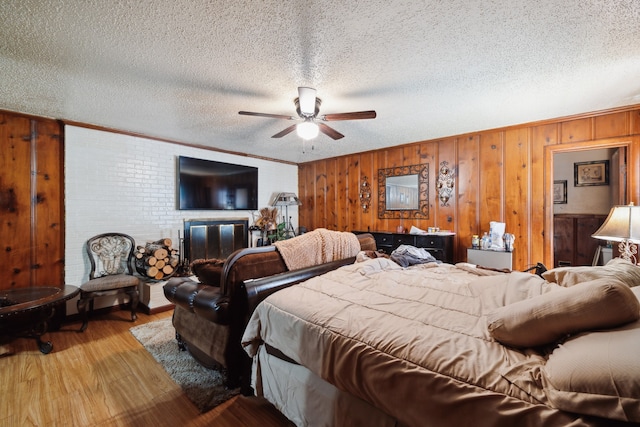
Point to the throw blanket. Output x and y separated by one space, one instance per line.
317 247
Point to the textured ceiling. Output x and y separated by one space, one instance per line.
182 69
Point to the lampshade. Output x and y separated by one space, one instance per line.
623 223
286 199
307 130
307 99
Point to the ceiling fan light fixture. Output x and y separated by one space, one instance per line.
307 130
308 106
307 97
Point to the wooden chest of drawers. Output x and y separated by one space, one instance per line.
440 245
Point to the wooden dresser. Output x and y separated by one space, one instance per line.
440 245
572 241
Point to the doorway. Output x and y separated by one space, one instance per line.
623 165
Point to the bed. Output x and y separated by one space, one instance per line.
376 344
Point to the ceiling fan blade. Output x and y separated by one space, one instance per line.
287 131
272 116
357 115
332 133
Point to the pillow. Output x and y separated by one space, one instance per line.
601 303
617 268
208 271
596 373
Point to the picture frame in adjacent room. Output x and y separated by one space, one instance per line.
591 173
560 191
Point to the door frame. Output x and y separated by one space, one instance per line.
632 145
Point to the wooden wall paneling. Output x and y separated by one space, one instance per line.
380 162
467 190
491 179
545 138
540 136
320 205
304 189
426 153
351 165
633 170
367 169
547 134
331 199
435 210
634 122
444 217
383 162
576 130
15 206
610 125
311 197
516 193
48 205
412 155
394 157
346 193
377 160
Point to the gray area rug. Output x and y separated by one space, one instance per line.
204 387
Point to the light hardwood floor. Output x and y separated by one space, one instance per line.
104 377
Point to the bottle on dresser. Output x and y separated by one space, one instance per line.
485 242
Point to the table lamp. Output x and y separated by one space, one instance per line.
622 225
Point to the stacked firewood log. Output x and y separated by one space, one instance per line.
157 260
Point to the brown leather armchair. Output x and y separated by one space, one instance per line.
211 313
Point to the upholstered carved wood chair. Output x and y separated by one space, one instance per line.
111 273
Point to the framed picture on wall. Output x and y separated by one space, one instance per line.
560 191
591 173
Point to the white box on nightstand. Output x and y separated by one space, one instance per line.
488 258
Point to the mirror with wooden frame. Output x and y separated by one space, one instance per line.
403 192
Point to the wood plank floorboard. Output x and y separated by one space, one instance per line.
104 377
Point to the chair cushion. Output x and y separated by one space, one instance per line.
106 283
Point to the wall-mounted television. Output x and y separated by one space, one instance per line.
211 185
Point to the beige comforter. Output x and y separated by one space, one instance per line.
412 342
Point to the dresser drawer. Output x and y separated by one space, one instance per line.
403 239
438 254
384 242
429 242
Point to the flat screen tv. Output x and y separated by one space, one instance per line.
211 185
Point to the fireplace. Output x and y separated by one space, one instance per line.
214 238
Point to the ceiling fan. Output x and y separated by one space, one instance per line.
308 107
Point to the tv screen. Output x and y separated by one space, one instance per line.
206 184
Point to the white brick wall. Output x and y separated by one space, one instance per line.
123 183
